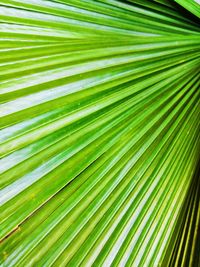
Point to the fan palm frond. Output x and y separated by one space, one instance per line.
99 132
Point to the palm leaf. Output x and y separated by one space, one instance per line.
99 132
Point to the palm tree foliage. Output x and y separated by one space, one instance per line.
99 132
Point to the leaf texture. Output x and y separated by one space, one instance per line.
99 138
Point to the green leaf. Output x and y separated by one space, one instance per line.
99 133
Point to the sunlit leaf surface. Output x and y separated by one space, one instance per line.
99 139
